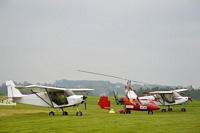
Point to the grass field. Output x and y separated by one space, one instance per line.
27 118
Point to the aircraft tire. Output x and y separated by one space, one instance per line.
150 112
65 113
169 109
79 113
128 112
163 110
51 113
183 109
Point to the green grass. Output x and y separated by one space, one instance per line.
27 118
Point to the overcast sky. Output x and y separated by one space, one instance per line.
152 41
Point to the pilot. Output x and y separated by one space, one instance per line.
133 101
158 96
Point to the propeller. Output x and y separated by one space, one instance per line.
84 98
189 97
117 99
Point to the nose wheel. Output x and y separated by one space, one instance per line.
79 113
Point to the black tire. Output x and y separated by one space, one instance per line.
150 112
79 113
65 113
51 113
183 109
169 109
128 112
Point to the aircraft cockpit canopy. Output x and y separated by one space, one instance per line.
175 94
69 93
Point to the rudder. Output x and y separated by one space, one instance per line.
12 91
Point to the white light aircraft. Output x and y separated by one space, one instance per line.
47 96
165 98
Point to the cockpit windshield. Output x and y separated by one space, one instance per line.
69 93
176 94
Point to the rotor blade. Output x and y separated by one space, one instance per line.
113 77
141 82
102 74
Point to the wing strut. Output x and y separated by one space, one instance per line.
43 99
49 98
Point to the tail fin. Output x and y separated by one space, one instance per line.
104 103
12 91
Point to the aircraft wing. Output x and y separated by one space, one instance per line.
159 92
39 88
180 90
81 90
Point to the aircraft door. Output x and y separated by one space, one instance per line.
169 98
59 97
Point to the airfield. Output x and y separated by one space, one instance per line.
28 118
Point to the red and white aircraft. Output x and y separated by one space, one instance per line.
130 100
165 98
47 96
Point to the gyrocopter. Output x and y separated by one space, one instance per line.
130 99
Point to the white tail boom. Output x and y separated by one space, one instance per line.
12 91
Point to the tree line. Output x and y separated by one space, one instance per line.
102 87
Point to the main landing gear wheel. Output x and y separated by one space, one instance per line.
169 109
128 112
163 110
79 113
150 112
51 113
183 109
65 113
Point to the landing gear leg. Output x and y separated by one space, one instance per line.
78 113
169 108
64 112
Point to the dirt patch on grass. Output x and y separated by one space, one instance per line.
10 112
